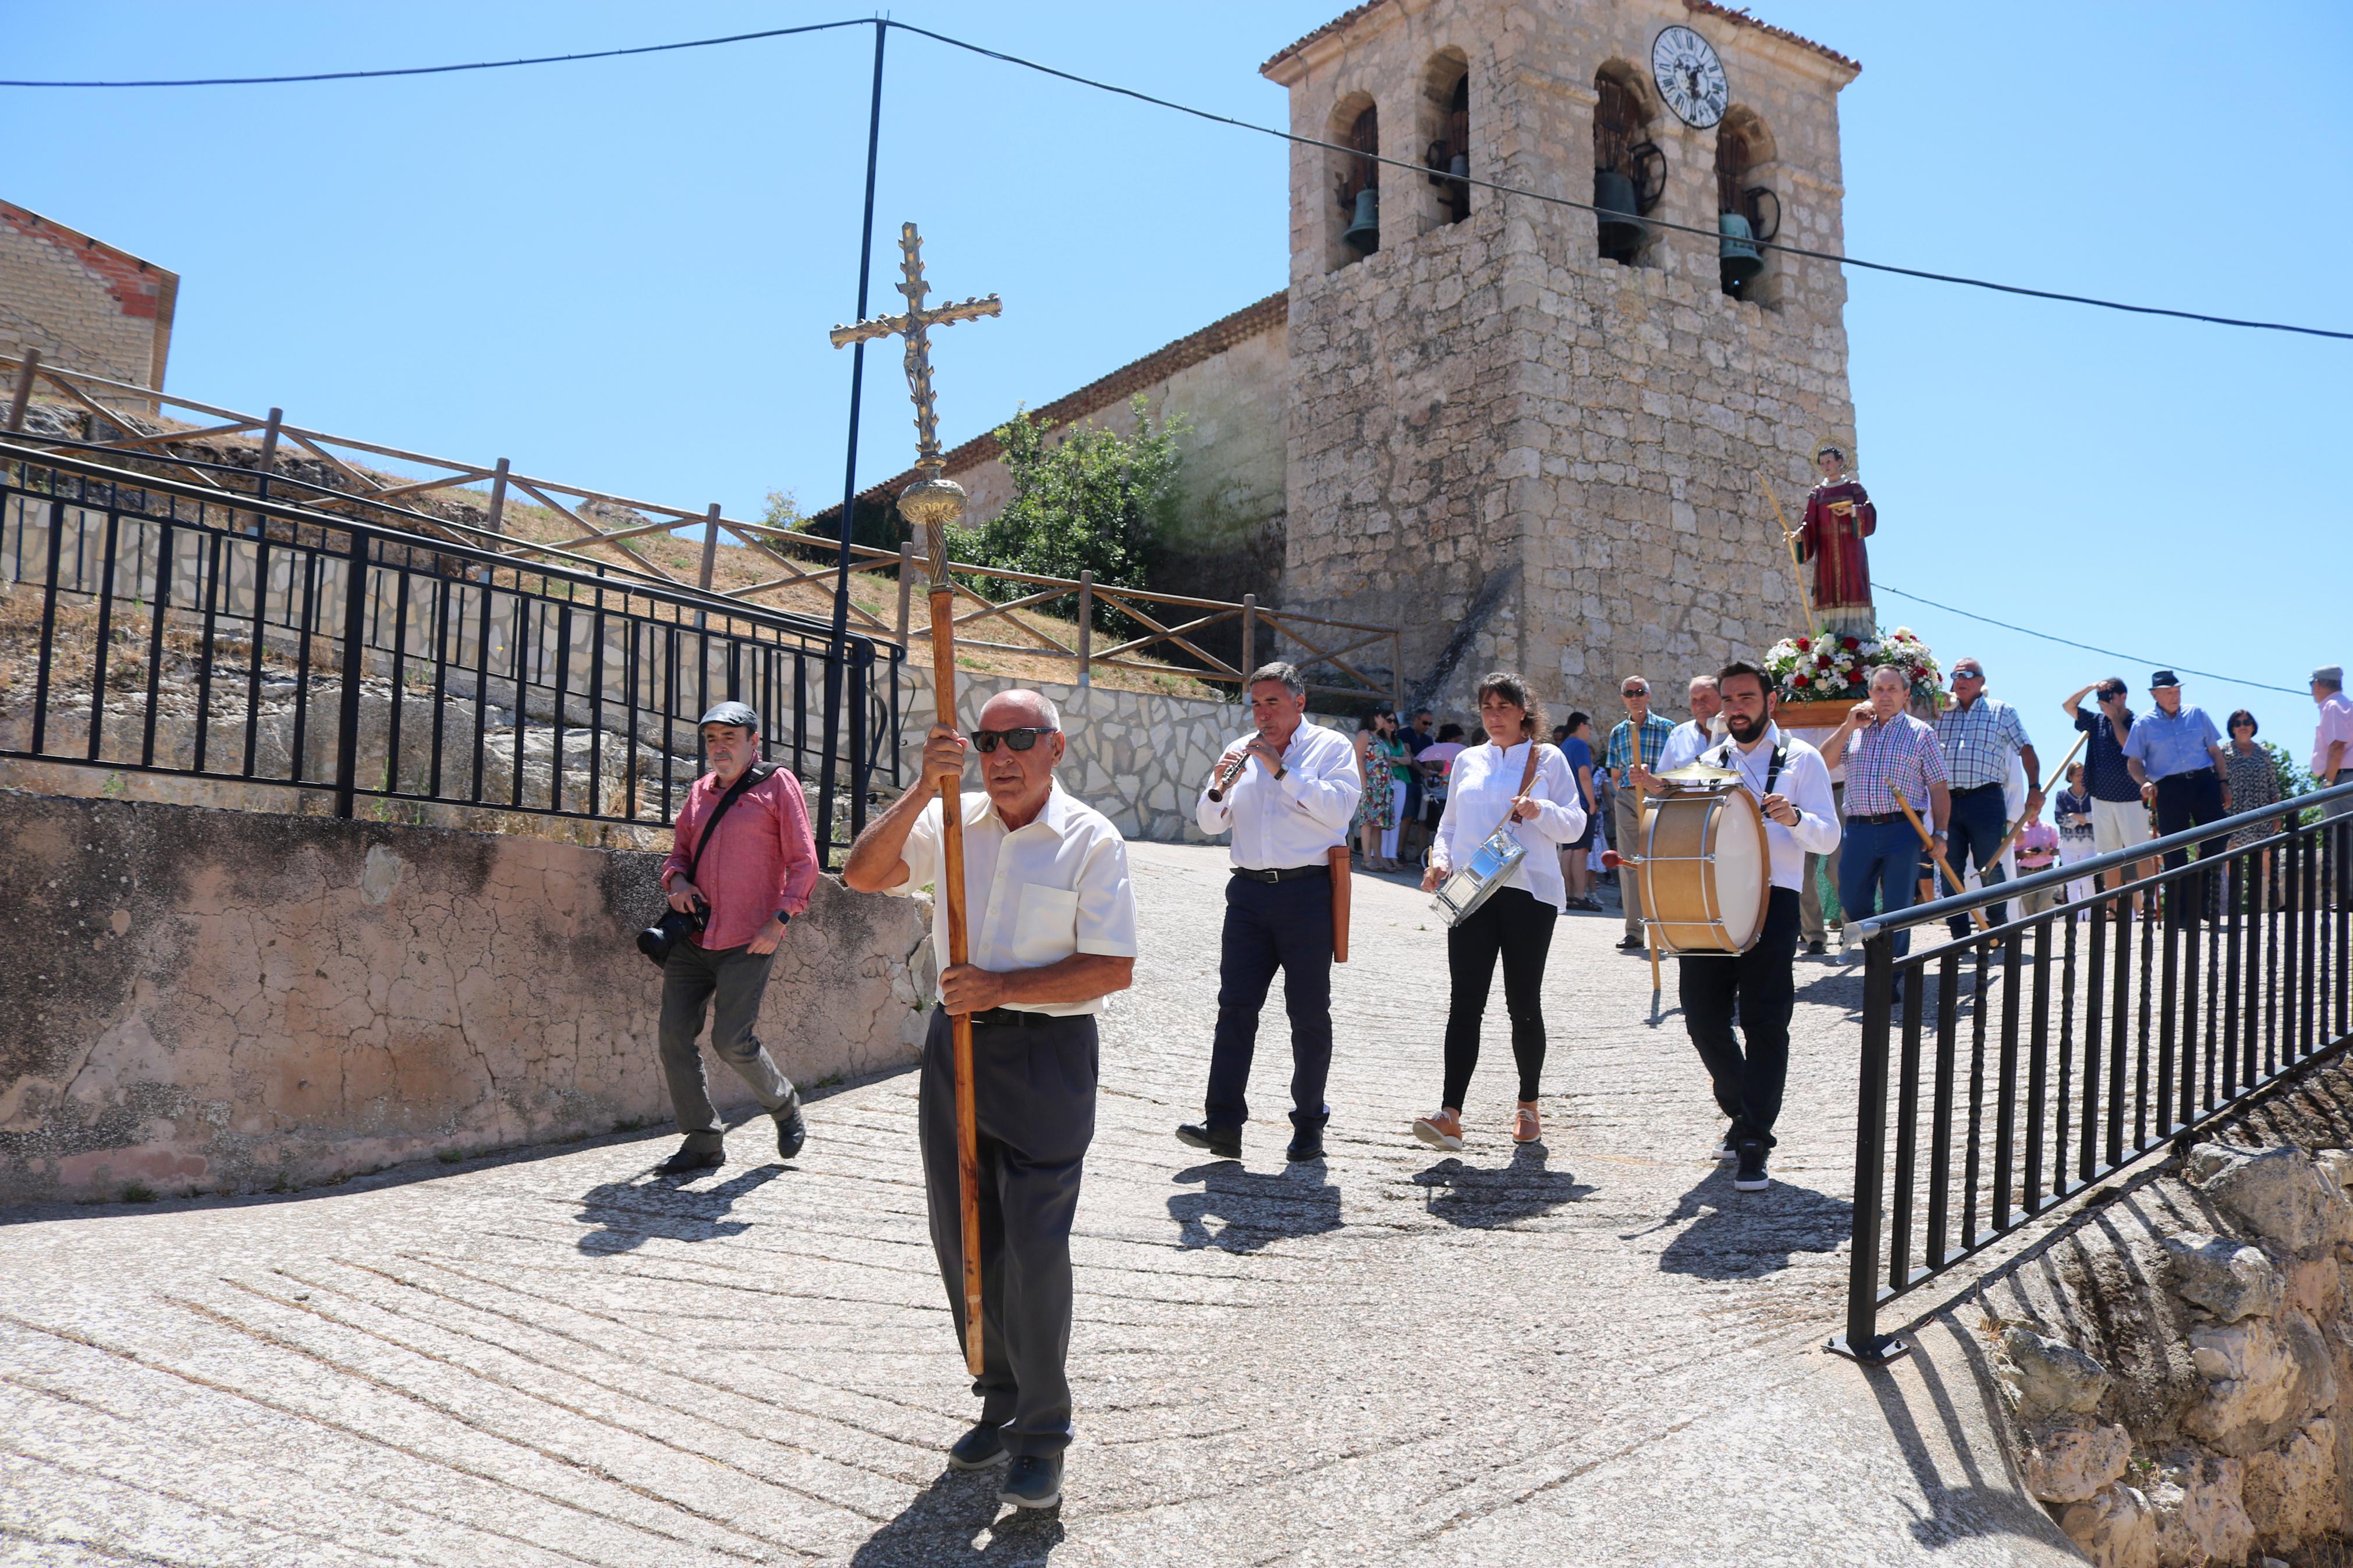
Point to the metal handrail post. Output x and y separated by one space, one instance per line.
347 727
1862 1342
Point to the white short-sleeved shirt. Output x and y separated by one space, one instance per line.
1033 896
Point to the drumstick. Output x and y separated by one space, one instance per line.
2002 849
1977 916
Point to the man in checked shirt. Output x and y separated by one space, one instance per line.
1892 759
1979 736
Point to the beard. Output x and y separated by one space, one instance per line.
1745 727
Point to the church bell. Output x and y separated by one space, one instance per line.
1364 231
1621 231
1736 252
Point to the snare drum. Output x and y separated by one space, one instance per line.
1473 883
1707 873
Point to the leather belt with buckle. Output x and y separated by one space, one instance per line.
1015 1018
1282 873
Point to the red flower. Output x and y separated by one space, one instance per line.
1850 644
1822 659
1805 644
1800 680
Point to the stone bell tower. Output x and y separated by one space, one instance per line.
1534 440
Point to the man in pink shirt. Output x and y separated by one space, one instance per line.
756 866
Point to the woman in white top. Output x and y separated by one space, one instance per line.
1515 922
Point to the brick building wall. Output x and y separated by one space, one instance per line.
86 305
1527 454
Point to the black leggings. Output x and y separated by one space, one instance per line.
1517 925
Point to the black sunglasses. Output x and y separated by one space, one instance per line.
1021 740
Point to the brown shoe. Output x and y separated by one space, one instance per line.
1444 1130
1525 1126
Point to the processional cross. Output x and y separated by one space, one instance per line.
933 503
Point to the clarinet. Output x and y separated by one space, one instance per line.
1225 780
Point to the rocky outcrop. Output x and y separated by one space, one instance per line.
2175 1370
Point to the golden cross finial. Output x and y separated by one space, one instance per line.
916 326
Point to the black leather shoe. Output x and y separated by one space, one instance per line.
1818 947
1224 1145
686 1160
792 1132
1034 1481
1307 1143
1633 945
978 1449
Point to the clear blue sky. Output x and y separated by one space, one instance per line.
622 272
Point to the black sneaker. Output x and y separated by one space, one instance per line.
979 1449
1225 1145
792 1132
1306 1144
1751 1176
686 1160
1726 1151
1034 1481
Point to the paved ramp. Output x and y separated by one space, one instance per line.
1586 1351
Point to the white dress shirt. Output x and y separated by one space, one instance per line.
1033 896
1805 784
1279 823
1480 789
1688 739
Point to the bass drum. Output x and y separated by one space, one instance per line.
1707 873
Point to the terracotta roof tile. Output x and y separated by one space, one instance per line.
1345 19
1117 388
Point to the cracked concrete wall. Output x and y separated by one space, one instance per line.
207 1000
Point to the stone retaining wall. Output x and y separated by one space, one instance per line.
2178 1365
216 1000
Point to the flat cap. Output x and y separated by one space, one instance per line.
732 713
2333 674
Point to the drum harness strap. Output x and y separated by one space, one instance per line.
1772 768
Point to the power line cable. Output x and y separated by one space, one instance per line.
2088 647
468 66
1588 206
1835 257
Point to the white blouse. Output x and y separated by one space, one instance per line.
1480 790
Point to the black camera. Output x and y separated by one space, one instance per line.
675 926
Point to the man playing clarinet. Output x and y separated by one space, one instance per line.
1053 926
1286 790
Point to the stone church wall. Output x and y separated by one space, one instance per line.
1525 454
85 305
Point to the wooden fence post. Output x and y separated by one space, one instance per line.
709 548
499 498
268 451
906 582
1087 626
1249 639
25 373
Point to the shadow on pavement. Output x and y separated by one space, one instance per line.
629 1214
1740 1236
1484 1199
957 1521
1257 1208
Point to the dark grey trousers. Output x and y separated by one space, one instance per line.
1034 1099
736 976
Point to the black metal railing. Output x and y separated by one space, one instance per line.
2089 1035
153 625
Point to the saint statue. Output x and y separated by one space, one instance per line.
1838 518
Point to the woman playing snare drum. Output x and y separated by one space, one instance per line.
1484 791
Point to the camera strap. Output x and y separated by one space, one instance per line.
745 779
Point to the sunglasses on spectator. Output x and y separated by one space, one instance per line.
1021 740
1635 691
1969 675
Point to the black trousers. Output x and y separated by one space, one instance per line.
1271 926
1516 926
1759 986
2184 800
1034 1098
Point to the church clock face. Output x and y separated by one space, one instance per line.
1690 77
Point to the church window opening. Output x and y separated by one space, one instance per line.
1747 214
1359 183
1449 156
1629 172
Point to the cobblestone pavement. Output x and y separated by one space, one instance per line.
1589 1350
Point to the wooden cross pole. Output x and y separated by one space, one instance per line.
2058 777
933 504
